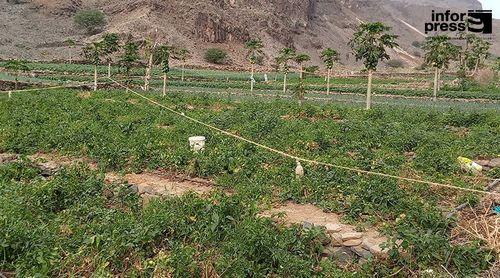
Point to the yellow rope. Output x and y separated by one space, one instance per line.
296 157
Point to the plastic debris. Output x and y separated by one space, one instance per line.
496 209
299 170
469 165
197 143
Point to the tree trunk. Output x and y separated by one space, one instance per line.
95 78
369 91
16 81
284 84
435 84
148 72
109 69
164 84
251 79
328 82
476 67
439 80
182 73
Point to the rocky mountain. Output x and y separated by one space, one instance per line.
37 28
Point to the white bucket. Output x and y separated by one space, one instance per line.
197 143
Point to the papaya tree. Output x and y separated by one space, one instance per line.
70 43
285 55
110 45
92 53
439 52
300 59
369 45
182 55
161 57
477 51
129 57
330 57
17 66
255 54
149 46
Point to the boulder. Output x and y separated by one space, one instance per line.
363 253
352 242
373 245
333 228
351 235
48 168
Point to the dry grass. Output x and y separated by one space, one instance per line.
480 223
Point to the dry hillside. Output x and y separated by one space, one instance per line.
37 28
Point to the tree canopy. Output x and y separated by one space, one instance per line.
161 56
370 42
330 57
254 47
90 20
439 51
110 43
92 52
285 55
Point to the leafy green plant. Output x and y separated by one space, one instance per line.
369 45
90 20
161 57
110 45
439 52
330 57
17 66
255 54
216 56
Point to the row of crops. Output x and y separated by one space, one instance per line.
403 86
67 225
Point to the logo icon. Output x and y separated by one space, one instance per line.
475 21
482 18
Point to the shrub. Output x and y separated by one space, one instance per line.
215 56
395 63
90 20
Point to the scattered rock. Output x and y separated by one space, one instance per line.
373 245
134 188
495 162
349 236
307 225
325 239
336 240
328 252
352 242
343 255
48 168
483 162
362 252
8 157
146 198
333 228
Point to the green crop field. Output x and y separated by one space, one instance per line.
75 223
219 139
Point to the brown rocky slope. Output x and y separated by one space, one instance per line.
36 29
